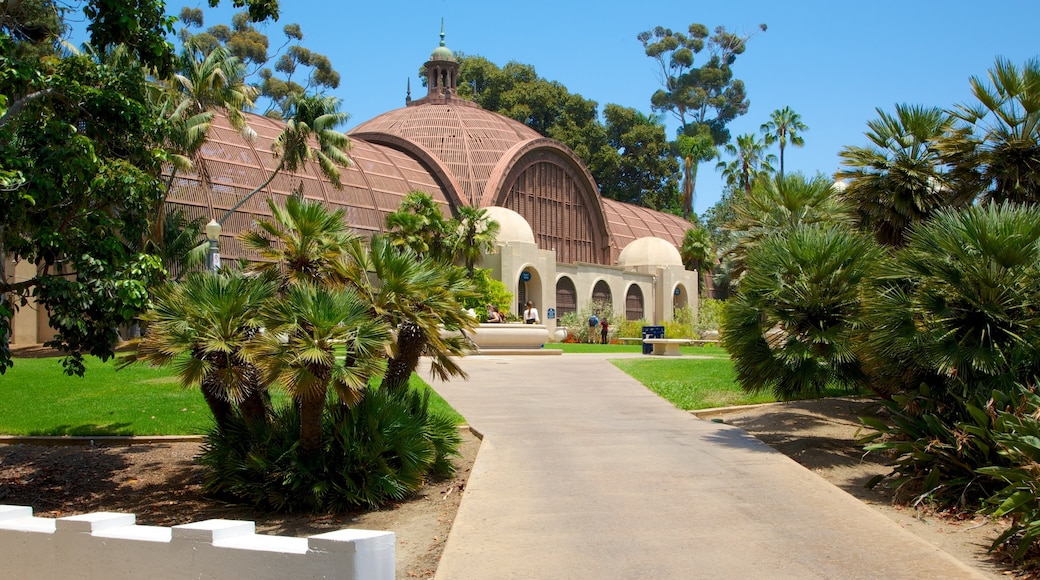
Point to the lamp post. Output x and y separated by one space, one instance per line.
213 252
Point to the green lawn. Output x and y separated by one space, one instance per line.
36 398
691 383
579 348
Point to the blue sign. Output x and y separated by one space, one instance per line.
525 276
677 291
551 313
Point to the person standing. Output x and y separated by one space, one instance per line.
604 327
531 314
593 323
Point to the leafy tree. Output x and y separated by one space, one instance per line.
297 70
637 166
82 136
995 151
703 98
751 162
697 252
784 126
899 179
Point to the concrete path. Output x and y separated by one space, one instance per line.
583 473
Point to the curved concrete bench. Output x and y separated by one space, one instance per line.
666 346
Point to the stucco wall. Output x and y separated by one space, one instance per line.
109 545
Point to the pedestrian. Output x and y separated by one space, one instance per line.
593 323
531 314
604 327
493 315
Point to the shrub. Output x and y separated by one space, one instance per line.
577 323
380 450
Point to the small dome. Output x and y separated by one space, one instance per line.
649 251
442 53
512 227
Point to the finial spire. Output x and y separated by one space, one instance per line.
442 31
408 95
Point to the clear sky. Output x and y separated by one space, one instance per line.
832 62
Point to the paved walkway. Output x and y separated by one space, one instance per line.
583 473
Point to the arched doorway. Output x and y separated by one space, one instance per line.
680 299
634 303
529 288
601 294
566 296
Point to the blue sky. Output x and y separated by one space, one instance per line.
832 62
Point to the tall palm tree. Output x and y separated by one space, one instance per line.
473 233
310 118
698 253
418 298
304 328
201 328
302 243
784 126
899 179
751 162
995 152
692 150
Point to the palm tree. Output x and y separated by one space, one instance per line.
419 225
201 328
473 234
302 243
420 299
693 150
304 327
898 180
310 118
783 204
995 152
784 125
698 252
751 162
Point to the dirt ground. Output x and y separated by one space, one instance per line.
160 484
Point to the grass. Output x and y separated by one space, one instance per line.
691 383
582 348
37 398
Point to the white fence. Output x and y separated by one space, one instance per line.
111 546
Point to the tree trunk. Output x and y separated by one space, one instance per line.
255 406
410 345
219 406
312 406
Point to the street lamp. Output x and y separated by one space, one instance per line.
213 253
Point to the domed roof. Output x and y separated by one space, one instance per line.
467 140
442 52
649 251
512 227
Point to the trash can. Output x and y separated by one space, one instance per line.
651 332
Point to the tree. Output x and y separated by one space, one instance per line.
692 151
751 162
899 179
697 252
303 243
299 351
473 233
82 136
637 166
995 150
201 327
703 98
419 225
784 126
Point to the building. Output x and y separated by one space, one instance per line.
561 245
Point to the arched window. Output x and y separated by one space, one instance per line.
679 297
566 297
601 293
634 303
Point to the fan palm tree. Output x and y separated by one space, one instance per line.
310 118
784 126
783 204
302 243
304 328
418 298
473 234
995 152
693 150
419 225
698 253
201 327
899 179
751 162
